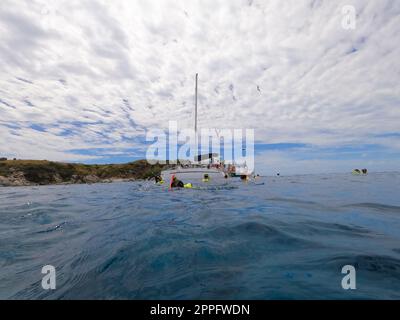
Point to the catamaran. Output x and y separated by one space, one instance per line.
206 168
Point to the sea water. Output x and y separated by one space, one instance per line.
277 238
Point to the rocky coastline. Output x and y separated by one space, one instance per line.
18 173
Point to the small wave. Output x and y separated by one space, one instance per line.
375 206
247 229
54 228
258 233
81 258
323 228
291 200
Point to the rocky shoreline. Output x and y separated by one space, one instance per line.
18 179
20 173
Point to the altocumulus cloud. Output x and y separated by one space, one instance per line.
83 80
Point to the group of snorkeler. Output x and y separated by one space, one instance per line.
176 183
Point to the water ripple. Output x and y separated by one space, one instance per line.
285 238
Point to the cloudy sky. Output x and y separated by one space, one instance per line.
82 80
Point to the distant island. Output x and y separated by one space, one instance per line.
42 172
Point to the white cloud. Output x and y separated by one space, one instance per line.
103 71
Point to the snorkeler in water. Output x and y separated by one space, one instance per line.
176 183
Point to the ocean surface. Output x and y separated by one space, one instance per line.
281 238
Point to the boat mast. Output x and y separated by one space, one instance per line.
195 118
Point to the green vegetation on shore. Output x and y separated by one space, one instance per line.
41 172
